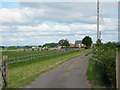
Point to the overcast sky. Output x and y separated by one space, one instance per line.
35 23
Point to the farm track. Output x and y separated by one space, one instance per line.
71 74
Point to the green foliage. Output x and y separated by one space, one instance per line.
2 47
103 65
64 42
12 47
87 41
27 47
40 46
98 42
118 47
50 45
46 46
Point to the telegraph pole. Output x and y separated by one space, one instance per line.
118 53
98 19
118 70
100 35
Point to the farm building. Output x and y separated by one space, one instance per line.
78 43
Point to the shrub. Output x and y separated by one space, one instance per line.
103 61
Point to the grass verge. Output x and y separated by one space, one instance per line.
91 75
22 74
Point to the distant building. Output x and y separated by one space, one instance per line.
78 42
34 47
72 45
79 45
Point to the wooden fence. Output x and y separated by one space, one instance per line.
1 79
3 72
35 56
6 61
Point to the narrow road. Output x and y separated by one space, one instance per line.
71 74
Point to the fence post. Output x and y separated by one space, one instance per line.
4 70
1 75
118 70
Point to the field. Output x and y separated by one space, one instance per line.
20 74
11 54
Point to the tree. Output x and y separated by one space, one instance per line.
2 47
64 42
12 47
40 46
50 45
98 42
47 46
27 47
87 41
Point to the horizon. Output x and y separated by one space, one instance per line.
48 43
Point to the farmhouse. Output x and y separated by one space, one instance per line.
72 45
78 44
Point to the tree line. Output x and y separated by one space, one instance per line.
87 41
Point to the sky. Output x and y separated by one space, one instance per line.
37 23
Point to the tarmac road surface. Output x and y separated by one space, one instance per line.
71 74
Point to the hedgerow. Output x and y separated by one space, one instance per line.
104 64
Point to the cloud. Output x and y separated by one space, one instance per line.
55 30
86 9
17 39
44 29
35 13
54 12
9 16
17 16
66 20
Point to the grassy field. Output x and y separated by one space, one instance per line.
20 74
11 54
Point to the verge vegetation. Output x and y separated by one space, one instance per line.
23 73
102 66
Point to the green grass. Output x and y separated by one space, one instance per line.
91 75
23 73
11 54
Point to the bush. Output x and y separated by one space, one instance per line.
104 64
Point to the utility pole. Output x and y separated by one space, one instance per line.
100 35
98 19
118 70
118 53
